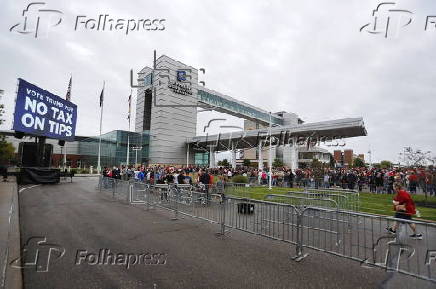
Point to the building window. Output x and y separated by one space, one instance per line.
148 79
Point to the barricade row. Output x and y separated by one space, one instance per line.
302 220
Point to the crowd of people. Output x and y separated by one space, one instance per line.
371 179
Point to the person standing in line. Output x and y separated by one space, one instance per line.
433 192
379 183
291 179
413 181
181 178
326 180
286 179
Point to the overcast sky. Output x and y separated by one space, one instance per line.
306 57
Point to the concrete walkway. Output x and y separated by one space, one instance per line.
10 278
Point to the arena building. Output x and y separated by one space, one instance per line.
169 97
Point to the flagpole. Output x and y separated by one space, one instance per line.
65 144
99 138
128 133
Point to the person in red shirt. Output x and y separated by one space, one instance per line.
413 181
404 208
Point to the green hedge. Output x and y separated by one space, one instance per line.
84 171
240 179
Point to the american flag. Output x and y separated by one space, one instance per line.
68 95
130 105
102 96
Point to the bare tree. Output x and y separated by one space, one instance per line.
417 157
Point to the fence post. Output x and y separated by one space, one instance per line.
147 192
176 193
223 217
130 194
299 255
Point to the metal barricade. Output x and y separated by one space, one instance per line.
303 220
364 238
270 219
340 199
303 201
138 192
119 189
353 197
237 189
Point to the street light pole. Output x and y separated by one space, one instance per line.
136 149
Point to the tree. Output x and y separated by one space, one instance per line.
315 164
247 162
385 164
277 163
358 163
332 162
224 163
416 157
7 150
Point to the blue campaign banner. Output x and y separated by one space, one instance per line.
39 112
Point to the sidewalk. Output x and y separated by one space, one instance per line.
9 235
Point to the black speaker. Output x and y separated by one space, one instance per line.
28 154
48 152
61 142
19 134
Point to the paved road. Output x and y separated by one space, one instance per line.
75 217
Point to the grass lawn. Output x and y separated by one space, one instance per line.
380 204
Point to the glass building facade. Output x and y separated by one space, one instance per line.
114 149
201 159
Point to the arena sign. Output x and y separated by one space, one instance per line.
39 112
